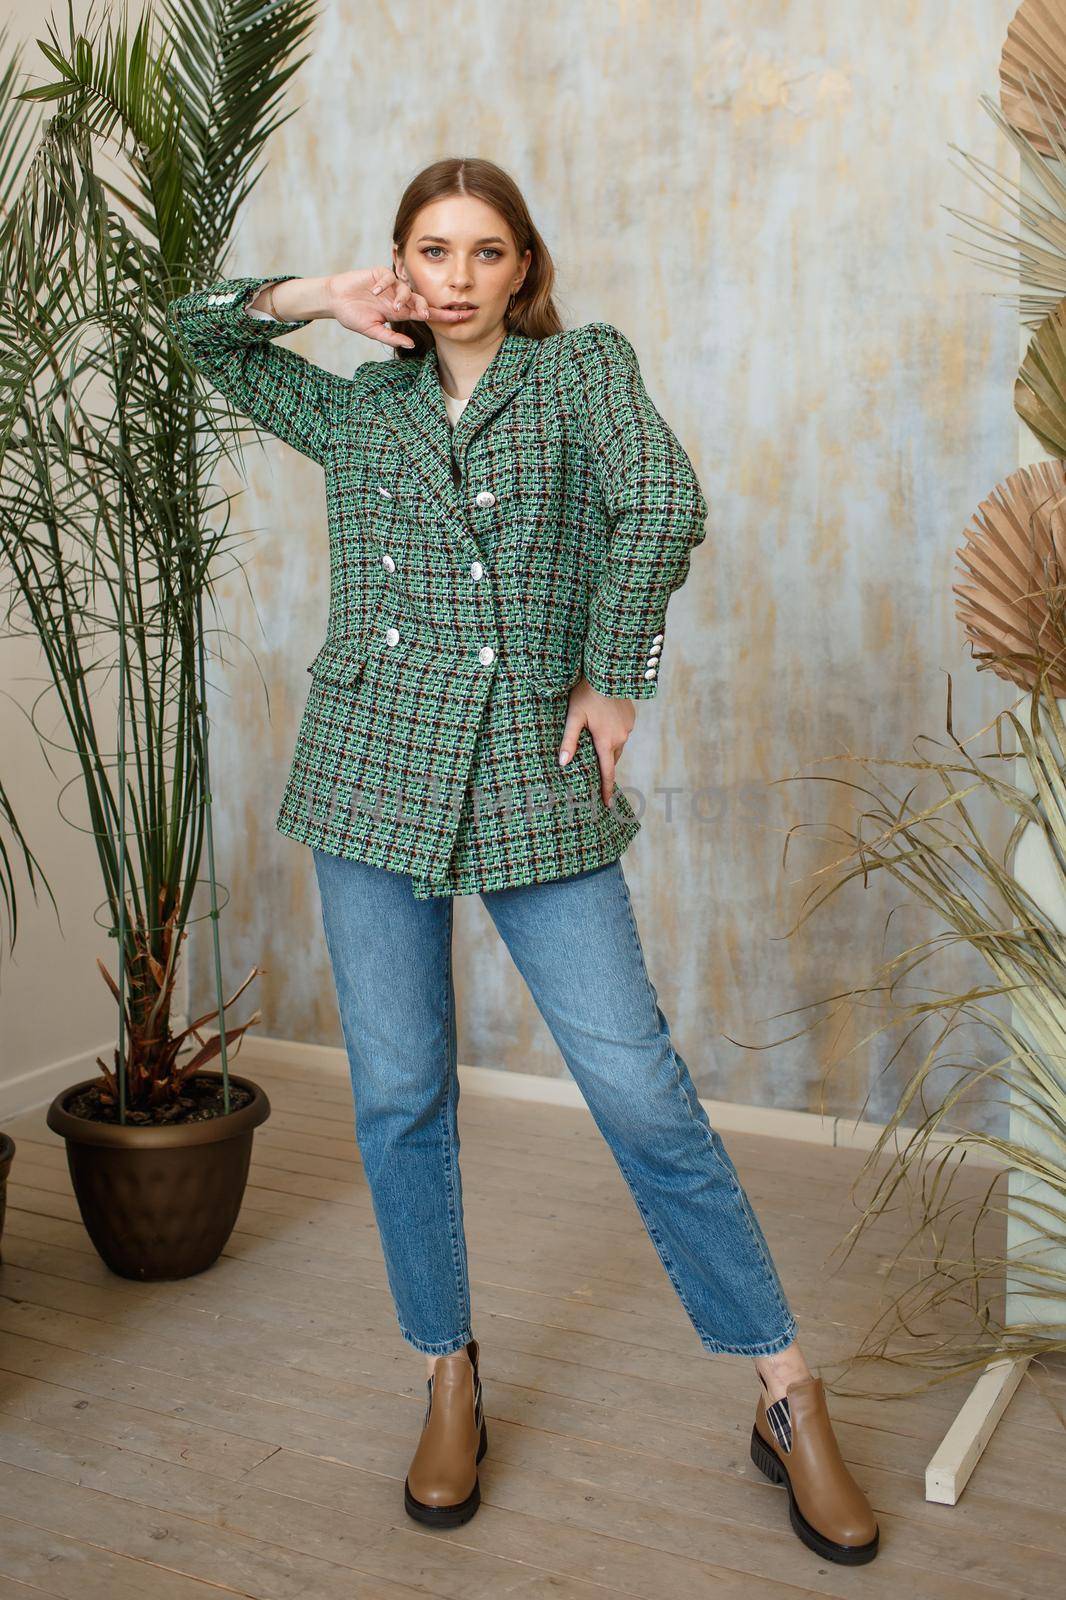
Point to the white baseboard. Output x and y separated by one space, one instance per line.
810 1127
29 1091
37 1088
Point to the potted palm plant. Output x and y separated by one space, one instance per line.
9 938
7 1151
109 553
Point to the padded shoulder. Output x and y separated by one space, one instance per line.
601 341
598 354
374 373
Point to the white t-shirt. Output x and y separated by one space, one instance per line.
453 405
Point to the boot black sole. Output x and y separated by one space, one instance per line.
448 1516
849 1555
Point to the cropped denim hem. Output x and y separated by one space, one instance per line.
437 1347
770 1347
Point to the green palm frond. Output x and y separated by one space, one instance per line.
113 536
233 62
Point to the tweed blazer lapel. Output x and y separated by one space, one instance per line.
415 412
502 378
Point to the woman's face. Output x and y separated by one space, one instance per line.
461 249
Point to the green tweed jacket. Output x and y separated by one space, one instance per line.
475 575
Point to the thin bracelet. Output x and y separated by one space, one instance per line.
270 303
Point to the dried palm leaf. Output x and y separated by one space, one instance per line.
949 1318
1035 252
1015 558
1032 69
1040 387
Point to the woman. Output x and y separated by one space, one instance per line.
509 515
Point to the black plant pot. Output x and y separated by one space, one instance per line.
7 1150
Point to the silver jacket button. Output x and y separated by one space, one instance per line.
476 570
658 639
650 672
486 498
654 651
388 563
486 654
392 636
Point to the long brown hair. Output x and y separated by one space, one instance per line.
533 310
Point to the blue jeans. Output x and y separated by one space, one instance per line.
576 944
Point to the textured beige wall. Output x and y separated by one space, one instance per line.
754 193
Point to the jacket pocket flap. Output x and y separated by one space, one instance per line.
341 661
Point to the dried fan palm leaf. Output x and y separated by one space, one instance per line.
1032 70
1012 606
1034 253
1040 387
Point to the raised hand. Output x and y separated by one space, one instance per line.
369 299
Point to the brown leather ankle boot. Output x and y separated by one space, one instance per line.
442 1487
796 1446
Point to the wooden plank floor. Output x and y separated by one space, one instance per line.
248 1431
